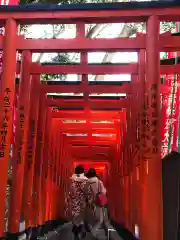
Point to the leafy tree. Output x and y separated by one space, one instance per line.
57 30
62 1
60 58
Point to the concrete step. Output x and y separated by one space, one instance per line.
65 233
101 235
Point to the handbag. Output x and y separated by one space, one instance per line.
101 199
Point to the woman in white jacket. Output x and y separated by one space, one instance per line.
95 186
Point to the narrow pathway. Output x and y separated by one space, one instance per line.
65 233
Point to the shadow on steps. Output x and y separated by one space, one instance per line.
124 233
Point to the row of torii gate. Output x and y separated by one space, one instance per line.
122 135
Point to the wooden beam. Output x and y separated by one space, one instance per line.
83 44
94 104
81 115
87 69
125 88
87 131
130 68
136 12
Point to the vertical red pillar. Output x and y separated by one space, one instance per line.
134 144
58 173
39 160
20 144
30 153
51 184
129 158
125 177
118 159
6 108
46 164
50 172
152 192
55 171
141 98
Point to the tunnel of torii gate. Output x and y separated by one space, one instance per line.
50 134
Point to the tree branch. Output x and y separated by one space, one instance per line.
125 32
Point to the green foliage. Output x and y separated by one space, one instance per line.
63 58
60 58
167 26
51 77
62 1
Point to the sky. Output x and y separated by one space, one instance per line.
107 31
110 31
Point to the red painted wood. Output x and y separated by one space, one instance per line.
21 144
39 161
152 195
129 68
93 16
134 175
86 69
46 165
140 166
125 88
93 104
76 45
28 208
80 115
6 106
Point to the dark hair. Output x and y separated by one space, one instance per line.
79 169
91 173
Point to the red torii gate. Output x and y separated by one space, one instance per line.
81 115
133 156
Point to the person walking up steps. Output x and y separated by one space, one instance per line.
78 201
96 199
